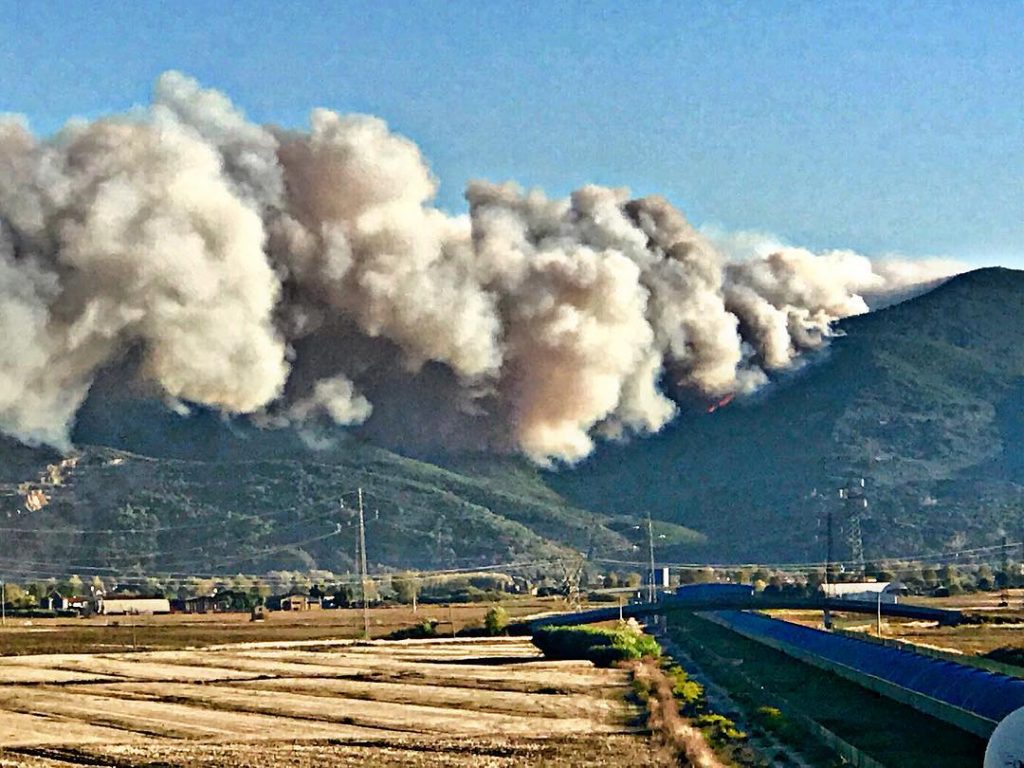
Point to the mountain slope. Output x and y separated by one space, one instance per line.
120 511
922 399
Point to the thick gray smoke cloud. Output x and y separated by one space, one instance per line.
294 275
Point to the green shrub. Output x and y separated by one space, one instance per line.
496 620
608 655
1007 655
720 730
689 693
774 721
603 647
427 629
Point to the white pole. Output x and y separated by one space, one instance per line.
362 568
3 603
878 624
651 592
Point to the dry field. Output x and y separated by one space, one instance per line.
490 702
125 633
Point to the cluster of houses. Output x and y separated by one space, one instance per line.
108 606
225 601
878 591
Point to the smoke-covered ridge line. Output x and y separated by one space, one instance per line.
306 275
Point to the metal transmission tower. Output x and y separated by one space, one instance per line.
360 561
571 583
856 502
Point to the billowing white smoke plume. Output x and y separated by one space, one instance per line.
295 275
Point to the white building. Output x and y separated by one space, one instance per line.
132 606
873 591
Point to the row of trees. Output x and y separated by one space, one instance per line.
916 577
411 587
343 589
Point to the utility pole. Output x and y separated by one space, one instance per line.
571 583
878 619
362 568
828 552
1004 592
1020 526
827 614
650 542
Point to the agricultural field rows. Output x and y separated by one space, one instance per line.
437 702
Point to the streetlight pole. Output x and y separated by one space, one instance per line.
878 620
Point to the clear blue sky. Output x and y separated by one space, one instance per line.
886 127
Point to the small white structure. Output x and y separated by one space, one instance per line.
132 606
1006 745
874 591
661 577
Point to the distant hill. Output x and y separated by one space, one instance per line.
923 399
142 514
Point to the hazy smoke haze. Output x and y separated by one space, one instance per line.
302 276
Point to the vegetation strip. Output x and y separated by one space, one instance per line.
759 677
678 715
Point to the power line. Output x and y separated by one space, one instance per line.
232 519
920 557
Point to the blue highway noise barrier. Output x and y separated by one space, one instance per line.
969 697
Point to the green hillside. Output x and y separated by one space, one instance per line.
923 399
133 513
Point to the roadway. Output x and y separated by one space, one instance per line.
756 602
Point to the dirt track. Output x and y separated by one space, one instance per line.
490 702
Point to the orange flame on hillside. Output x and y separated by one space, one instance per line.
721 403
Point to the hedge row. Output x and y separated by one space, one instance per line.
603 647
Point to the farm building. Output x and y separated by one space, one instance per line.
218 602
55 601
132 606
196 604
295 603
885 591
